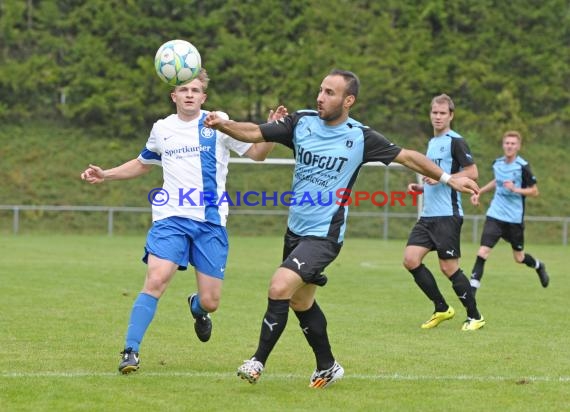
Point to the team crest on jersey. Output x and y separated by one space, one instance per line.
206 132
349 144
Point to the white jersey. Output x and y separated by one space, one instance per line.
194 159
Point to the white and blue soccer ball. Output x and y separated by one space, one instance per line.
177 62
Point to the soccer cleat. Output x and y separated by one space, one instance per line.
325 377
542 275
202 324
473 324
250 370
438 317
129 361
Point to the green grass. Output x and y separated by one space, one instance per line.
65 302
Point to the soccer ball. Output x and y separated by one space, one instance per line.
177 62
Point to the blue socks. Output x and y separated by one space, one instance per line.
197 310
142 313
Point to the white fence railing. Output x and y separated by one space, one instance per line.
477 220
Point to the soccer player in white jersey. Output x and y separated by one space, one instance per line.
188 222
439 225
513 182
329 149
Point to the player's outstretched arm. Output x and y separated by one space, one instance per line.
133 168
462 184
243 131
259 151
421 164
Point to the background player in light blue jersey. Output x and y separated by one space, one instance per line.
513 183
439 225
192 156
329 148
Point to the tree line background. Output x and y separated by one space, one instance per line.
77 86
90 63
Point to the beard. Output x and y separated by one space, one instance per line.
332 115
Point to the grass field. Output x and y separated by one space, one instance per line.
65 302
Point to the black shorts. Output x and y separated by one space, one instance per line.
442 234
496 229
308 256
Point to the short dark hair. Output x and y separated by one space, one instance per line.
352 81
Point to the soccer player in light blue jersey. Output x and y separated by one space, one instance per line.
185 231
329 148
439 226
513 183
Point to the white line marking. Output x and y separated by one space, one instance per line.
218 375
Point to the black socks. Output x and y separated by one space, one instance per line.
314 326
273 325
425 280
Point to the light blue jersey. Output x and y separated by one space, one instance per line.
327 162
450 152
506 205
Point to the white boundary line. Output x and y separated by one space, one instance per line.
269 376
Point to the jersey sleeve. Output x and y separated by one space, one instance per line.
151 154
280 131
239 147
461 153
233 144
379 149
528 178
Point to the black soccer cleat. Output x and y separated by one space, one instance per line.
202 324
129 361
542 275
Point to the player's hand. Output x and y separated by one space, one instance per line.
213 120
277 114
93 174
463 184
429 181
509 185
415 187
475 199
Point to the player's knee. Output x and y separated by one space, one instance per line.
411 263
209 303
279 290
154 286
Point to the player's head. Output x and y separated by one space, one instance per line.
514 134
512 141
190 96
445 100
337 94
351 79
202 78
441 113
